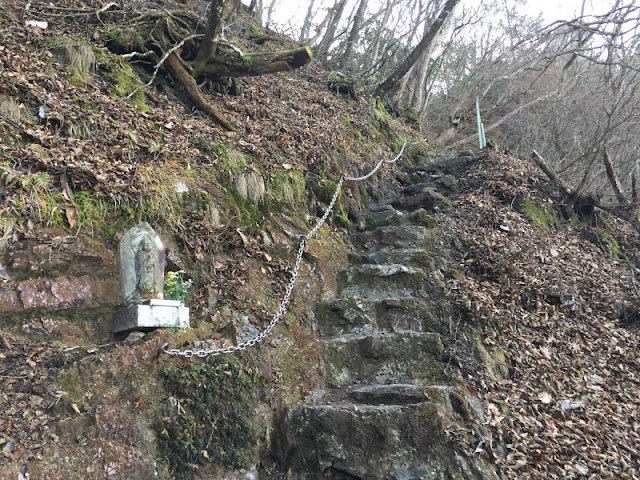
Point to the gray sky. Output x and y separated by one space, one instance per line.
294 10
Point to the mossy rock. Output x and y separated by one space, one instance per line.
421 217
124 41
215 421
546 218
494 361
122 78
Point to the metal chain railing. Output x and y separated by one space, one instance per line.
294 275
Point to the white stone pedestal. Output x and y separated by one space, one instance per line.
153 313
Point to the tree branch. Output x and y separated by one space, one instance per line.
544 166
613 179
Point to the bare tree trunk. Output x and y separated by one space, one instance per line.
270 9
306 25
335 14
354 33
211 31
613 179
390 85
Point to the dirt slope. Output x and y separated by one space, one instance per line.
558 298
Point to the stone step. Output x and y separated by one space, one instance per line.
421 195
364 316
369 442
400 394
386 215
396 236
406 357
374 281
415 257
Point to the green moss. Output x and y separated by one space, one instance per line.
494 361
44 208
610 243
213 423
86 104
122 78
421 217
122 41
248 213
288 187
545 218
91 210
324 192
346 121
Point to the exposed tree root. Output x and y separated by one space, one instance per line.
181 75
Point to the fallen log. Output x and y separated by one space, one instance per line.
230 62
544 166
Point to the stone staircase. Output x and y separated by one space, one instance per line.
387 400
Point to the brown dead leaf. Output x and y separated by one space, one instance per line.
4 342
66 189
72 216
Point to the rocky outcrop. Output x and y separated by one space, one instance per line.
67 282
387 405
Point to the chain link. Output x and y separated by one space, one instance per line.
259 338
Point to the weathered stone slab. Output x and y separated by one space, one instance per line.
398 236
392 394
58 257
67 292
374 281
372 442
405 357
360 315
155 313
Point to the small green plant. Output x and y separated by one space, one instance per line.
176 287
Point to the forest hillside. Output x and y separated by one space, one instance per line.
463 313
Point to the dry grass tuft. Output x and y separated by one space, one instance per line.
10 109
79 57
250 186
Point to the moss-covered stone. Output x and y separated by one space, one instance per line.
546 218
421 217
124 41
288 187
123 79
495 361
213 423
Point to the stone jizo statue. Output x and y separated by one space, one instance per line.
142 263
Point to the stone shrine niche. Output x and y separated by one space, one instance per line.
142 264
